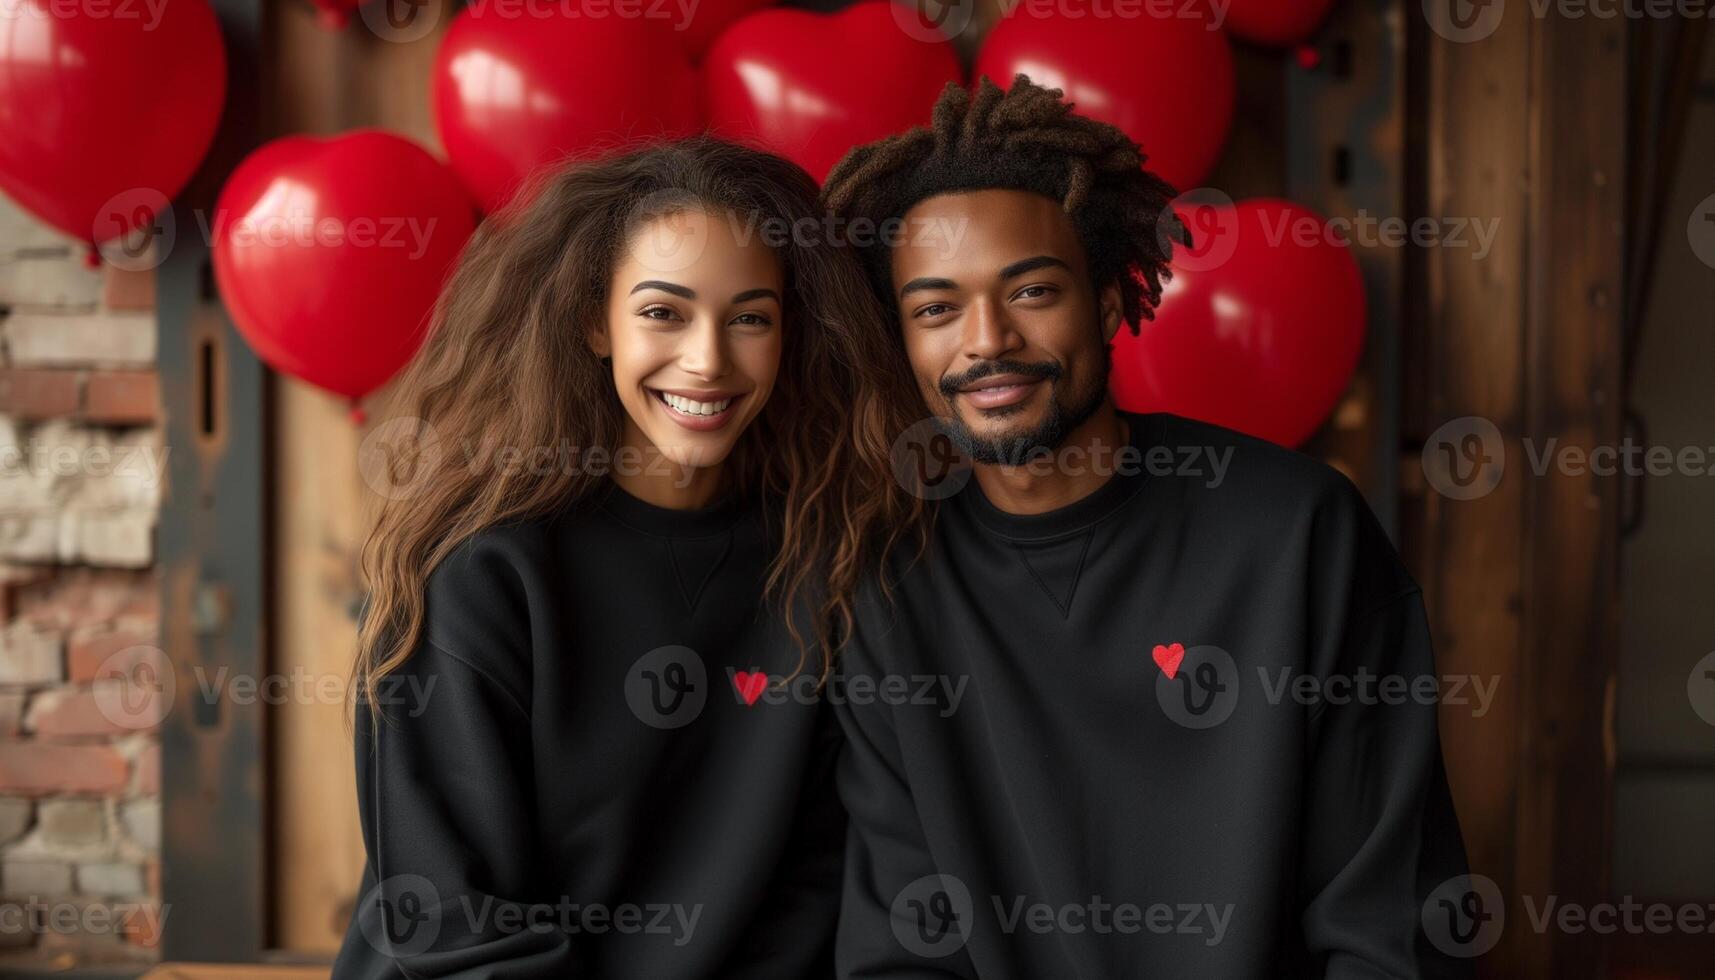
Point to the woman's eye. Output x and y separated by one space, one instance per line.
660 313
933 310
752 320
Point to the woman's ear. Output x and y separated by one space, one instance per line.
600 343
1113 315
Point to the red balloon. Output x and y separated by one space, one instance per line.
104 116
709 18
1166 80
1280 23
1259 330
512 93
811 86
329 253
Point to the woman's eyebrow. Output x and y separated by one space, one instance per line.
761 292
666 287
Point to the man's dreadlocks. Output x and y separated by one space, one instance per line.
1025 138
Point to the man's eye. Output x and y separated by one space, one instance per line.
1034 292
934 309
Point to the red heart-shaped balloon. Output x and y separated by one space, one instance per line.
513 93
1165 77
1259 330
105 110
811 86
329 253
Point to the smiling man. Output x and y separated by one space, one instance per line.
1117 795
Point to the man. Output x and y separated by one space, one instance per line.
1165 762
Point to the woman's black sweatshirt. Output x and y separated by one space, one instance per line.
1158 733
580 774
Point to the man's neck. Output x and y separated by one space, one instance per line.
1076 468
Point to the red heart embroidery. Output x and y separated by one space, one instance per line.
750 686
1169 658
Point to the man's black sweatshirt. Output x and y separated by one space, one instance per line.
1158 733
577 774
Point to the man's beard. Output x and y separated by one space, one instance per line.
1046 436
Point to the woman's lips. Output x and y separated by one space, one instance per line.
698 411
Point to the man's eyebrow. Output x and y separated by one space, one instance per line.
1031 264
925 282
761 292
666 287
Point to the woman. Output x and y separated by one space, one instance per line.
577 754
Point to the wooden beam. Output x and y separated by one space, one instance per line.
211 540
1522 121
1573 380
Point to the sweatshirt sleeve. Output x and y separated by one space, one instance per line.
1380 832
444 764
885 848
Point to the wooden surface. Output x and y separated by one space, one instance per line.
235 971
211 533
325 83
1525 126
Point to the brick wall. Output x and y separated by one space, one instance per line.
81 472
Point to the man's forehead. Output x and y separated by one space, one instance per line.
983 230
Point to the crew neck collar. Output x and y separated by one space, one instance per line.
641 515
1143 431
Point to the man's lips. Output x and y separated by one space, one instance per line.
999 390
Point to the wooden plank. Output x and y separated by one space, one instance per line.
1465 354
1525 124
210 538
1573 377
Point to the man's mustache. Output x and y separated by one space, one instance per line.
952 383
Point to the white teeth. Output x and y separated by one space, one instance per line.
690 407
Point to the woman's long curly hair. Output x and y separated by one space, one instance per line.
507 366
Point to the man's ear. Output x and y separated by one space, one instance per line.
1112 310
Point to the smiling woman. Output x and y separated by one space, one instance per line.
693 361
584 640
